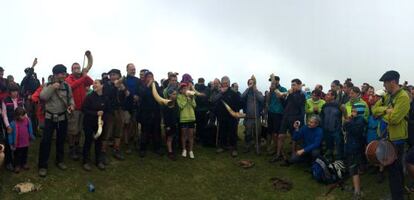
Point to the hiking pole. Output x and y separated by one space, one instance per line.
255 115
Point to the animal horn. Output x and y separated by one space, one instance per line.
90 60
100 125
157 97
254 79
231 111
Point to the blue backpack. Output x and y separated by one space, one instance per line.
327 173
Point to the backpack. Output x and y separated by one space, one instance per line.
327 173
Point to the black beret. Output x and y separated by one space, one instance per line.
390 75
115 71
57 69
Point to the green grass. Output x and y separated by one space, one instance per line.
208 176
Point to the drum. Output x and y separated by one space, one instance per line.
381 152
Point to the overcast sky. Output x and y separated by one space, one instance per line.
316 41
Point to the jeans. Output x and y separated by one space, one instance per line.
307 157
61 128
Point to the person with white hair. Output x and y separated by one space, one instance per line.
227 124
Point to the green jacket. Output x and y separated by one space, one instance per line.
311 104
348 108
187 107
397 119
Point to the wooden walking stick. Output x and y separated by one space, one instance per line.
255 116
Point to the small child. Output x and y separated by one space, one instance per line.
19 138
171 119
354 128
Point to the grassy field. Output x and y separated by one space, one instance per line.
208 176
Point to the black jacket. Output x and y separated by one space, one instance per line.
116 98
29 83
149 109
90 107
295 105
232 99
171 116
202 101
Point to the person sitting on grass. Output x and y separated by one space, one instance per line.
354 128
311 137
171 119
19 138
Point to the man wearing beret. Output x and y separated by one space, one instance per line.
58 99
394 108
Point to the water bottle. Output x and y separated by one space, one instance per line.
91 187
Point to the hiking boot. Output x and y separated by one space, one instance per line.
10 167
87 167
142 154
184 153
128 151
234 153
159 152
100 166
286 163
72 154
17 170
104 158
357 196
276 158
61 166
42 172
118 155
26 167
219 150
191 154
247 149
171 156
380 177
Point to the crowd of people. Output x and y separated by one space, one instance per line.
336 125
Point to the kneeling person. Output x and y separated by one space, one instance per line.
311 137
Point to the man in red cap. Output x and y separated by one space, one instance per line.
78 81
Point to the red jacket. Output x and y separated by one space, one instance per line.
36 99
78 86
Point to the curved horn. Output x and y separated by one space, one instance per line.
254 79
100 125
157 97
88 54
231 111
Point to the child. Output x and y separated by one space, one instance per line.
171 119
21 133
354 128
186 103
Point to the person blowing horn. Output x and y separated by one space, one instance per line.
116 93
151 116
253 101
227 134
78 81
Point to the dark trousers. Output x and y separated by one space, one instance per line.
396 175
89 138
31 109
20 156
308 157
8 154
334 141
61 128
201 124
228 133
151 131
